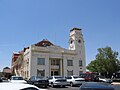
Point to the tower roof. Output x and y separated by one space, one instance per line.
75 29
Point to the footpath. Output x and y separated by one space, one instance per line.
115 83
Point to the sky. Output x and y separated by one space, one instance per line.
26 22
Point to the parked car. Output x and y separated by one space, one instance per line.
96 86
103 79
17 86
38 81
17 79
74 80
4 79
88 76
57 81
1 79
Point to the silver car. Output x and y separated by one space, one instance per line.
57 81
74 80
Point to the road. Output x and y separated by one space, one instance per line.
61 88
117 87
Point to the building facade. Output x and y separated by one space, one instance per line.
46 59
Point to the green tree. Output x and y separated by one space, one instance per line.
106 61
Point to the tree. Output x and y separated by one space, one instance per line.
106 61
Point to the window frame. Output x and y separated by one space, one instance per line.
80 63
40 61
69 62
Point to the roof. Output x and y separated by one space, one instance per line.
44 43
75 29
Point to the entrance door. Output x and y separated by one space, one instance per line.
55 73
55 67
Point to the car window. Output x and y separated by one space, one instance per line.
32 78
49 78
88 75
68 77
30 88
83 75
39 77
17 78
101 76
76 77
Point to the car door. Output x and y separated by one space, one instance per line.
68 78
31 80
50 80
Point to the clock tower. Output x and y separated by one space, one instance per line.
76 42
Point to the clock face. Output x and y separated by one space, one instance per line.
71 46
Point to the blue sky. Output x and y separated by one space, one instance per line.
26 22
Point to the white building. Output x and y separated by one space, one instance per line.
47 59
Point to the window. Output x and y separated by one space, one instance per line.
40 72
16 78
69 62
41 61
49 78
32 78
69 77
52 62
69 73
55 62
80 62
71 41
79 41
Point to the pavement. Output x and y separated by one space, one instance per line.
115 83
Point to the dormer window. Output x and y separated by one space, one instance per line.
79 41
71 41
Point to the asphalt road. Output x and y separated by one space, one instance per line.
63 88
117 87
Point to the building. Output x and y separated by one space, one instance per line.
46 59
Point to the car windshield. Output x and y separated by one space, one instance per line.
39 78
17 78
83 75
76 76
58 77
101 76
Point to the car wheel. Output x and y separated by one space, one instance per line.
45 86
71 84
52 85
63 86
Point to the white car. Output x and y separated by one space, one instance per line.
57 81
75 80
17 79
103 79
17 86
